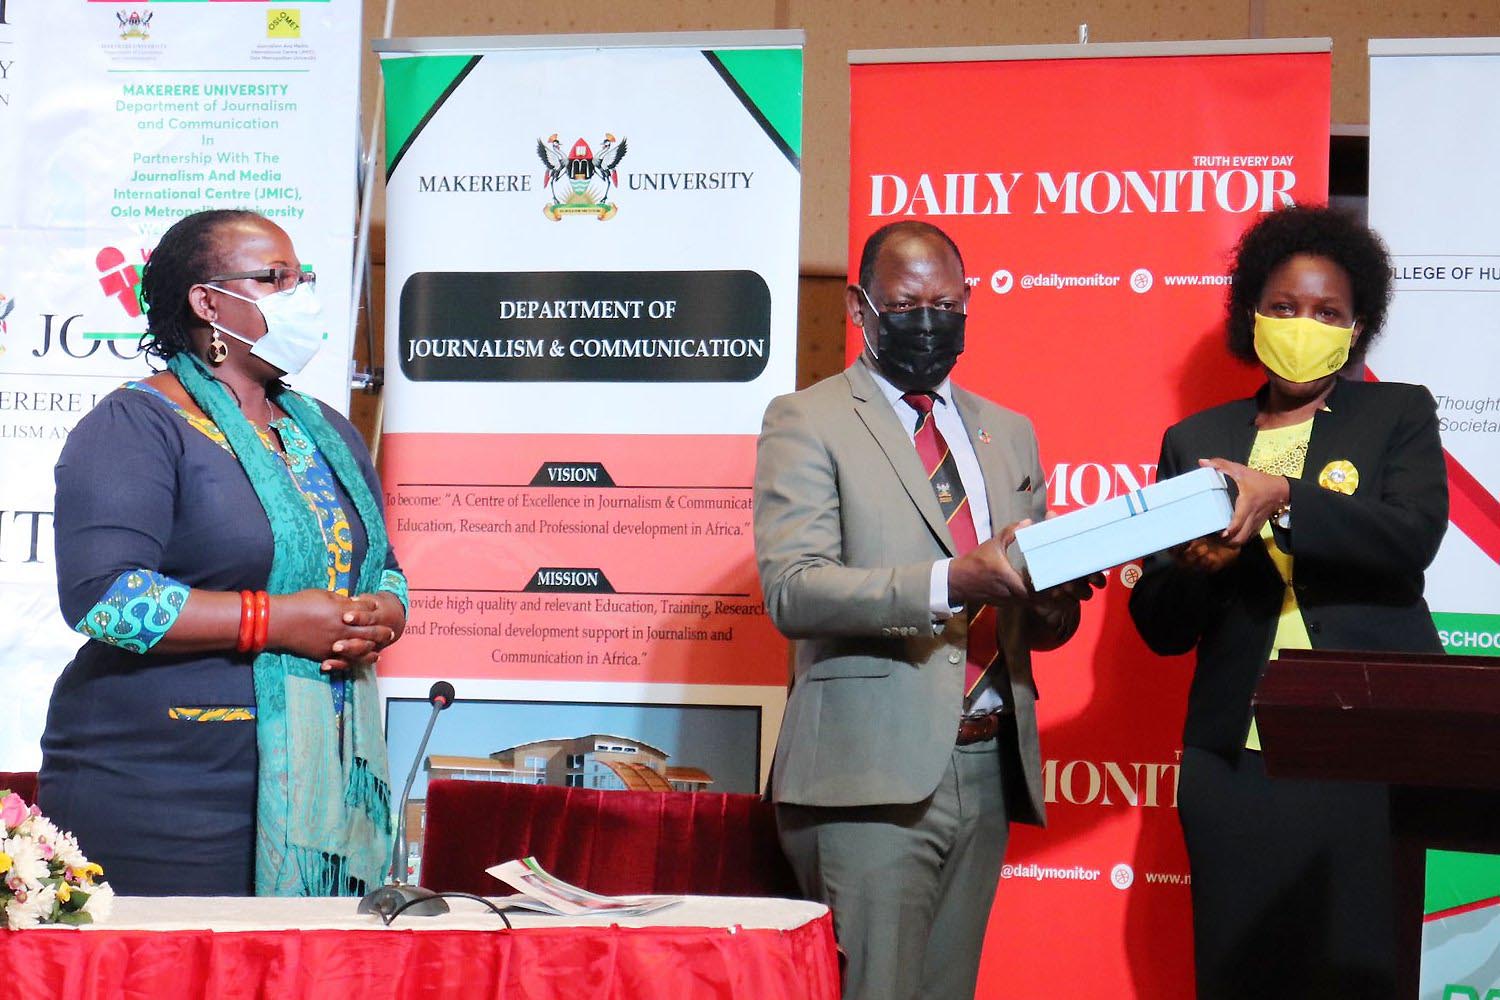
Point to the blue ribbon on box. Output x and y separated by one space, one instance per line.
1077 543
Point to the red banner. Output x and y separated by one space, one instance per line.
1095 198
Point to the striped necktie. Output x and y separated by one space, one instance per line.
942 473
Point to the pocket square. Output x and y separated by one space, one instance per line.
1025 486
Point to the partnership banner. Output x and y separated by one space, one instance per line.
118 119
1434 143
1095 193
592 295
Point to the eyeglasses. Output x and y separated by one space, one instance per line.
284 278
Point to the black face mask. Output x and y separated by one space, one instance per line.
917 348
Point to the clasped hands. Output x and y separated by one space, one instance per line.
1260 496
340 632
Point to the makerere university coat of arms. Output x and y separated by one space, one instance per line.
581 180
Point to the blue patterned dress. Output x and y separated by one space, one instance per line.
148 758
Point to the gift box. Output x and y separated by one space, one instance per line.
1126 527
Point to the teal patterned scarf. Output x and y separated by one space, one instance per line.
323 811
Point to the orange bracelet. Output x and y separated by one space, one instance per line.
247 622
262 620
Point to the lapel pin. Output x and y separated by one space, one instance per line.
1340 476
984 436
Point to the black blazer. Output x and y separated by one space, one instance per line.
1359 558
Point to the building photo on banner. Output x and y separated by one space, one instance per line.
1097 256
169 109
578 361
678 748
1433 148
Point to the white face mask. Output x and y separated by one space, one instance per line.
294 327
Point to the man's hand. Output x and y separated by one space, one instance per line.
984 575
1261 495
1053 613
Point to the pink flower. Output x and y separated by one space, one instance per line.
13 811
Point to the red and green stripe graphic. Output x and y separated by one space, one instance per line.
1471 508
1461 926
1460 882
1475 511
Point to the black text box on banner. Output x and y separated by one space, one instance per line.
585 326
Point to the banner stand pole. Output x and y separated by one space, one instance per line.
372 378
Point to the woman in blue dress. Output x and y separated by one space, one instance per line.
220 542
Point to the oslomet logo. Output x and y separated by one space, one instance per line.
283 22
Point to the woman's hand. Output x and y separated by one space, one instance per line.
382 609
338 631
1261 495
1080 589
1209 554
382 612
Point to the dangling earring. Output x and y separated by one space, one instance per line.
217 350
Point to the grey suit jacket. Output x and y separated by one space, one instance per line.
846 531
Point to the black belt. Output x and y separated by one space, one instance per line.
978 728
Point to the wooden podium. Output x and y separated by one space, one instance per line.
1427 725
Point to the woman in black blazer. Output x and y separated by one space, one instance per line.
1342 503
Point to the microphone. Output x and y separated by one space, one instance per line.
396 894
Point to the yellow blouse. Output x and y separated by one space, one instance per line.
1281 451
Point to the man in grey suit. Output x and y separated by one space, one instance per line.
885 500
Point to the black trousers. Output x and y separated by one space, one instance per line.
1292 884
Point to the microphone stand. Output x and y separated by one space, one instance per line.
397 895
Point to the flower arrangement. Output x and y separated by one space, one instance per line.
44 877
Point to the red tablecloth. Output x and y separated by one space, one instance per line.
760 949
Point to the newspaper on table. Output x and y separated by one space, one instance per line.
538 890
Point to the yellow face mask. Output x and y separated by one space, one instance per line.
1300 349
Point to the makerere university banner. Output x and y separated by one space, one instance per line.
117 119
592 295
1095 197
1434 143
